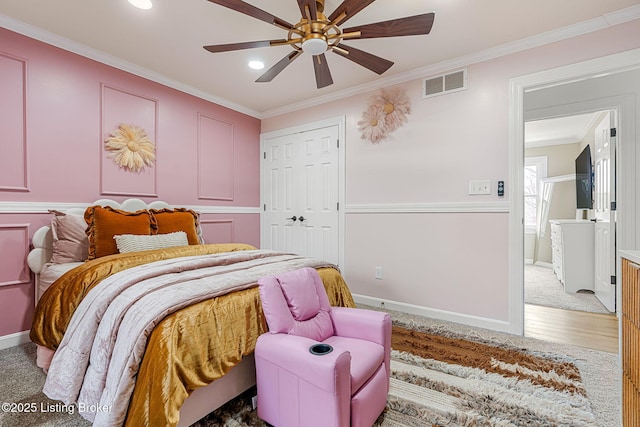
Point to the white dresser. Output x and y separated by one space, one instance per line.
572 248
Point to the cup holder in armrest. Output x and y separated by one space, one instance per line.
320 349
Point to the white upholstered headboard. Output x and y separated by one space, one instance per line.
43 237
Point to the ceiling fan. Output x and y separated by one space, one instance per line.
316 33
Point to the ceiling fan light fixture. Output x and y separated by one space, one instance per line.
314 46
256 65
142 4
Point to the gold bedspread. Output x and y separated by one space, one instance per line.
188 349
60 300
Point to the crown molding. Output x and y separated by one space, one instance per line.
113 61
581 28
623 15
596 24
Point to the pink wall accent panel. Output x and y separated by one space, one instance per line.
215 159
122 107
16 301
231 228
16 309
66 128
218 231
14 244
61 116
13 88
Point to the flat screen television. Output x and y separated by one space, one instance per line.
584 180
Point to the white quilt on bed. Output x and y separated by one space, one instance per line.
99 356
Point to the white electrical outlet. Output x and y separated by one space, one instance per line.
378 274
480 187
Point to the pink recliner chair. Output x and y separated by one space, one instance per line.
319 365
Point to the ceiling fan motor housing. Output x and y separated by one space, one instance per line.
314 44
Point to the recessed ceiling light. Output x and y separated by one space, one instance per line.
141 4
256 65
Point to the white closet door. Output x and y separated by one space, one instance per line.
604 194
280 203
300 180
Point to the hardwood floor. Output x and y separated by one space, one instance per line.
590 330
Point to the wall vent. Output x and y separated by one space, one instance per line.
444 83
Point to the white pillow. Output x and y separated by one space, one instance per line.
135 242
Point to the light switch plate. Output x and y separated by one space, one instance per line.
480 187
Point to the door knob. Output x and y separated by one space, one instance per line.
294 218
301 218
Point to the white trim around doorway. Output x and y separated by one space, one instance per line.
620 62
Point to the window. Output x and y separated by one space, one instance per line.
535 170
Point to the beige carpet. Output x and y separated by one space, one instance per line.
541 287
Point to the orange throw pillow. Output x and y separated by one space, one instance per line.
178 219
105 222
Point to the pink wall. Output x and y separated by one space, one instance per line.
456 262
56 109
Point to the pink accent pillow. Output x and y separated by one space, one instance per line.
70 242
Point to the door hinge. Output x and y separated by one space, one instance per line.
613 280
338 206
613 206
613 132
338 143
264 207
264 155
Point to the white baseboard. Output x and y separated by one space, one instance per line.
465 319
543 264
13 340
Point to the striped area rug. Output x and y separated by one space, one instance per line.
440 380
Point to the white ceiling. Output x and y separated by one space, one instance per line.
560 130
165 42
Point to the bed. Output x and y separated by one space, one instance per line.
183 343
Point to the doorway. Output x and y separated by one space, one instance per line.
555 274
605 83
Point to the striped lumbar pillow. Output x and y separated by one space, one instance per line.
136 242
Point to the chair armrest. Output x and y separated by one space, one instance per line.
374 326
291 352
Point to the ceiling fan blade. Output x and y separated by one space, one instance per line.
313 8
410 26
321 67
350 7
278 67
248 9
372 62
239 46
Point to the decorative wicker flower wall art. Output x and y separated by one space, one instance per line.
387 111
130 148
